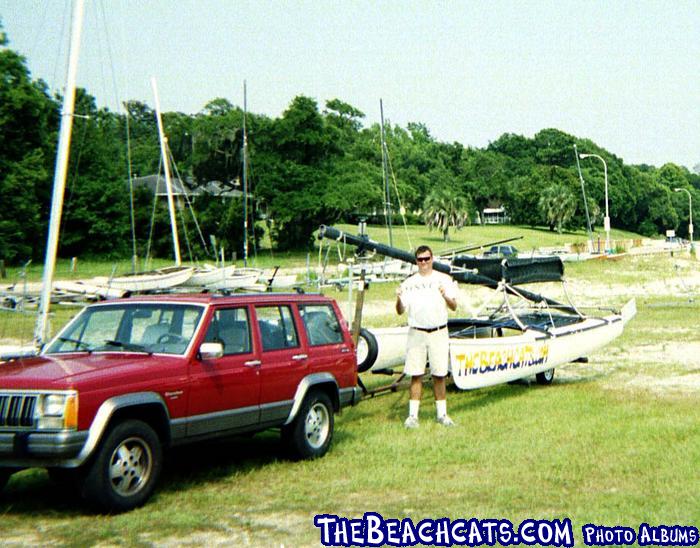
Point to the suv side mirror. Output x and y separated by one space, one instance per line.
211 350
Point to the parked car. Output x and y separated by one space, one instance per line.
501 251
127 379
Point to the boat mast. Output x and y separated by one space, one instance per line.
41 333
166 169
245 177
385 168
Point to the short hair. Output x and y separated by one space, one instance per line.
423 248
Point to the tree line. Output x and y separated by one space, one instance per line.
311 165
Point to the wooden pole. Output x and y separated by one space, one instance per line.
359 303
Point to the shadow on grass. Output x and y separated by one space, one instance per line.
394 403
32 493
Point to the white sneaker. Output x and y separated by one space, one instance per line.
411 422
445 420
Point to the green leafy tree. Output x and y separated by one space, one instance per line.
217 143
296 178
515 146
21 230
28 118
344 121
554 148
653 206
143 138
557 205
96 207
301 135
487 177
445 208
522 200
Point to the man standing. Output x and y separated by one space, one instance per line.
426 296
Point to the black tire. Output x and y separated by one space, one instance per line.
310 434
367 350
546 377
125 469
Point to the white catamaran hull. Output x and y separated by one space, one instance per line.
476 363
480 362
389 343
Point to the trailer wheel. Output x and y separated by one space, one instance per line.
546 377
367 350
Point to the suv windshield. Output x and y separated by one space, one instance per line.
165 328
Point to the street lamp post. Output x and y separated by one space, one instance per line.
606 221
690 214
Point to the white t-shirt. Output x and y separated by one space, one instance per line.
421 297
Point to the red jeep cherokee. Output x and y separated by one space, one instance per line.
127 378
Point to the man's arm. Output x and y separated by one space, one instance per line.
451 302
400 308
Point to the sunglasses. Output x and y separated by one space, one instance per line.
423 259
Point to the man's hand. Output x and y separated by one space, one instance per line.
399 303
451 303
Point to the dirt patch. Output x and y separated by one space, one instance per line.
254 529
26 539
681 385
658 368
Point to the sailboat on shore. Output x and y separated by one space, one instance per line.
526 335
161 278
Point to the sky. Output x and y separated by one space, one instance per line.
624 74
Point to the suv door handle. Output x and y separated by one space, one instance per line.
299 357
252 363
344 350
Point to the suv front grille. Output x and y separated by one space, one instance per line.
17 410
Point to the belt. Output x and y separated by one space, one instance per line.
430 329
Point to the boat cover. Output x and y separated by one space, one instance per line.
513 271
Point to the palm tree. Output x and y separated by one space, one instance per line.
445 207
557 204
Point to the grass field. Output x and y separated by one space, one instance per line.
403 237
615 442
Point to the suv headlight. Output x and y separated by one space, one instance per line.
57 411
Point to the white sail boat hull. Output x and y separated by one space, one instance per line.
163 278
236 280
477 363
208 274
486 361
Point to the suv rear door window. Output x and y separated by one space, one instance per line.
277 328
230 327
321 323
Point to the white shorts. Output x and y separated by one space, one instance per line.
422 346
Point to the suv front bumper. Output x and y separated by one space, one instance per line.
25 449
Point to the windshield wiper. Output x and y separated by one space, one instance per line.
80 345
128 346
